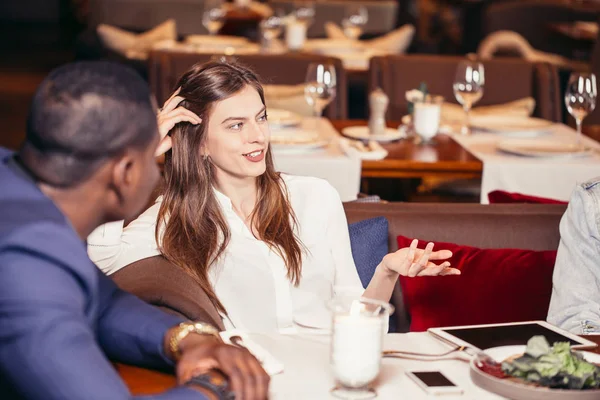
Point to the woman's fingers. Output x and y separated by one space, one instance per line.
171 102
421 262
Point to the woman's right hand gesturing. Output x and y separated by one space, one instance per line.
169 116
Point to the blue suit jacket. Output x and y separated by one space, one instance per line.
61 319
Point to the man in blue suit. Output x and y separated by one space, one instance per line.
88 158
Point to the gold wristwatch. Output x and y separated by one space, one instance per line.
184 329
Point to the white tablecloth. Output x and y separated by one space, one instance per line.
329 163
553 178
307 374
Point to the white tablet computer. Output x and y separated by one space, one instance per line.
515 333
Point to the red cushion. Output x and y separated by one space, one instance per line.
500 196
495 285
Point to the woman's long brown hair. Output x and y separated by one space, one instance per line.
191 230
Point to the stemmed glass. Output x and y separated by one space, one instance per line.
468 88
320 86
355 18
304 12
213 16
270 29
580 99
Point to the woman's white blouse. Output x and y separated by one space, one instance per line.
250 279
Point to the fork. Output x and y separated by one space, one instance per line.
400 354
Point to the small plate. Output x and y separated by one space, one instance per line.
362 133
297 141
283 118
514 126
514 389
542 148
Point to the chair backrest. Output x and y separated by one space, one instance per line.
505 80
141 15
382 14
530 18
165 68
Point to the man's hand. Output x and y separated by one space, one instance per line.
200 354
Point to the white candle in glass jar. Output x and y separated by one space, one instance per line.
356 349
295 35
426 119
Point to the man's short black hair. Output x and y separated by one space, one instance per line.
82 114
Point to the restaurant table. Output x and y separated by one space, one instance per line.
444 158
331 163
552 177
307 374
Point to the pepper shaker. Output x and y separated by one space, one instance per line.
378 103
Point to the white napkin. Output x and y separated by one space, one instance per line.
394 42
136 46
357 149
271 365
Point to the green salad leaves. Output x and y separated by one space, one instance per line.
556 366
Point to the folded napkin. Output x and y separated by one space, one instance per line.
287 97
394 42
518 108
271 365
133 45
356 148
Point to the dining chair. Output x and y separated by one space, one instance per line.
531 19
506 80
165 68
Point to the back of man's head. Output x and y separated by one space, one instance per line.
83 114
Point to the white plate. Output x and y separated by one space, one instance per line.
283 118
514 126
362 133
297 141
542 148
513 389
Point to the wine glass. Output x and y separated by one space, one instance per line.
468 88
580 99
320 86
355 18
270 29
304 12
213 16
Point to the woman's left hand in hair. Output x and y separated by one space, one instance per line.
169 116
411 261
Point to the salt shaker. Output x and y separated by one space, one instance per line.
378 103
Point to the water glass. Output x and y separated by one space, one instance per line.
270 29
355 18
580 99
213 16
320 86
468 88
359 325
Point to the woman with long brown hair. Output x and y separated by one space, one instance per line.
269 249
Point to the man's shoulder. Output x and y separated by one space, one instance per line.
591 185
